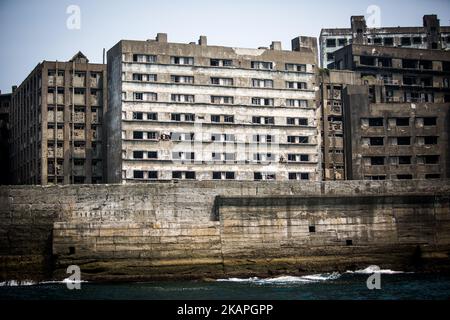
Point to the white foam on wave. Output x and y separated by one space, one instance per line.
374 269
286 279
18 283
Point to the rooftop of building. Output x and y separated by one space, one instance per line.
398 52
379 30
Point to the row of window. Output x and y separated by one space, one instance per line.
224 156
190 117
396 160
400 141
256 83
402 176
189 98
386 41
399 122
260 65
177 136
217 175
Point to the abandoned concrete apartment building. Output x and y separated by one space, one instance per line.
56 122
429 36
194 111
202 112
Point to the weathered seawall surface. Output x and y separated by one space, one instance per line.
206 229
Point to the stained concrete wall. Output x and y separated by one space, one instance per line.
219 229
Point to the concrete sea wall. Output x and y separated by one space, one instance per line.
206 229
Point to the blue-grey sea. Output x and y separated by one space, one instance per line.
349 285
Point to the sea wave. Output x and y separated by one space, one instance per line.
374 269
286 279
19 283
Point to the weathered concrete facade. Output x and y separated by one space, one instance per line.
430 36
194 111
5 106
332 84
222 228
56 120
396 123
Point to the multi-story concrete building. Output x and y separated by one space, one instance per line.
430 36
396 123
332 83
5 105
194 111
56 121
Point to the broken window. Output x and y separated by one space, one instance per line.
405 41
430 140
137 115
403 141
331 43
404 176
429 121
376 141
389 41
376 161
402 122
432 176
376 122
404 160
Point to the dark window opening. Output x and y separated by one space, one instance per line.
429 121
434 159
432 176
430 140
404 176
406 41
402 122
367 61
71 250
388 41
312 228
404 160
349 242
153 174
376 141
375 122
377 161
403 141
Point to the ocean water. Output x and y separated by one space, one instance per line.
349 286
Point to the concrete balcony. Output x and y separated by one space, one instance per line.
79 117
51 134
78 99
79 81
51 152
429 168
95 100
51 98
55 81
59 116
79 134
95 82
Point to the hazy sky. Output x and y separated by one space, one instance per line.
34 30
